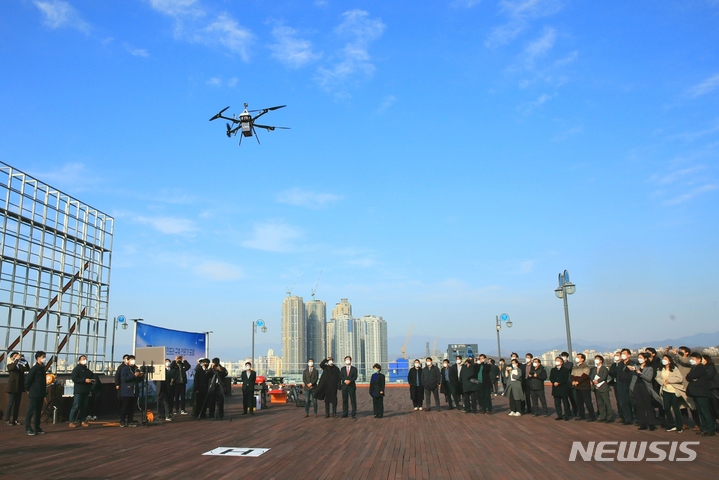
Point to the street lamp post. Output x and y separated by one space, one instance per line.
501 318
257 323
566 287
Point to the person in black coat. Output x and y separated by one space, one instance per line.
698 389
328 385
36 390
470 385
536 386
248 378
118 381
179 388
130 377
416 390
83 379
431 380
376 391
559 378
201 385
164 392
17 367
215 392
495 376
486 382
445 388
455 384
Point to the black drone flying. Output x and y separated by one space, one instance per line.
247 122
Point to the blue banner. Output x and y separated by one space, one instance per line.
190 345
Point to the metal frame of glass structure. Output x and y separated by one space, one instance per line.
55 254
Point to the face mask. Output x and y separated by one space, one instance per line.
597 363
577 360
692 362
459 362
665 361
330 363
132 362
310 364
416 365
565 358
446 365
558 364
616 358
624 356
376 371
167 364
529 360
83 362
536 365
348 362
41 359
429 364
640 360
248 368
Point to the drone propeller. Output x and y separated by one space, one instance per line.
270 128
219 114
268 109
229 130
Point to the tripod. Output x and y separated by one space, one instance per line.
145 389
215 382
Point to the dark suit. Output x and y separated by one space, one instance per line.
81 392
128 392
431 379
470 387
455 384
416 390
376 390
328 385
36 389
601 392
349 389
527 370
536 389
202 383
484 377
248 391
569 365
560 392
14 389
216 392
446 387
698 389
179 387
310 378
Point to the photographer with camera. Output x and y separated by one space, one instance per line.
17 367
130 376
215 392
202 383
179 387
83 379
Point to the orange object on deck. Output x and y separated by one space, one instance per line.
278 396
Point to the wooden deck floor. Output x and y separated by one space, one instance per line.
403 445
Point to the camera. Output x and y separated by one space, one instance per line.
147 368
22 362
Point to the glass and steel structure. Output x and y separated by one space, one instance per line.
55 254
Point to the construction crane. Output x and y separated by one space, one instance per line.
406 342
288 290
318 282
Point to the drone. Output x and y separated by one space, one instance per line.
247 122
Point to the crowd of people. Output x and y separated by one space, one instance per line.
650 390
670 390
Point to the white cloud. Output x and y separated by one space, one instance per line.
71 177
687 196
540 47
219 271
273 236
290 50
219 82
708 85
676 175
192 25
137 52
354 58
527 266
387 102
683 183
519 13
533 105
169 225
306 198
59 14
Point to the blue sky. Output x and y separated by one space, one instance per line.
446 160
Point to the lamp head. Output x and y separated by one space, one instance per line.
559 292
509 324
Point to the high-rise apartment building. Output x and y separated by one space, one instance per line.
294 337
316 327
374 341
342 308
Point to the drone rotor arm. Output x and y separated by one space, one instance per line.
219 115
